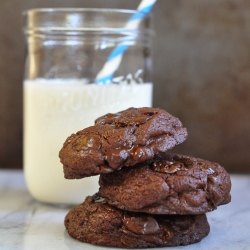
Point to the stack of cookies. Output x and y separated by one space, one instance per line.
148 197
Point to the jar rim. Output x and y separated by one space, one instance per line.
72 20
36 10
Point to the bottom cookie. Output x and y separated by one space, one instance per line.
96 222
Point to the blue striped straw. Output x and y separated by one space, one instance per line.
106 74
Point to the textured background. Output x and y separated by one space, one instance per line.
201 56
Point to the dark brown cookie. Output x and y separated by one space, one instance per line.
122 139
96 222
174 184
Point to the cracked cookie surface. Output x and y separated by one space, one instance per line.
96 222
172 184
122 139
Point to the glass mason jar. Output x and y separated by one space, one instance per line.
81 64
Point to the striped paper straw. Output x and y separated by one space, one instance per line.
106 74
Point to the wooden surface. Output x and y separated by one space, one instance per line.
201 74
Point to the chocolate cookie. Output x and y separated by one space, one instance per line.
122 139
96 222
173 184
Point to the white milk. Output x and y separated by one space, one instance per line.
53 110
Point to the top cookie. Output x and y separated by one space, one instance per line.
122 139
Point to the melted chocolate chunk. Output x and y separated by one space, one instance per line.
167 166
141 224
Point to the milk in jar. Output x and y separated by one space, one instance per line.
70 80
